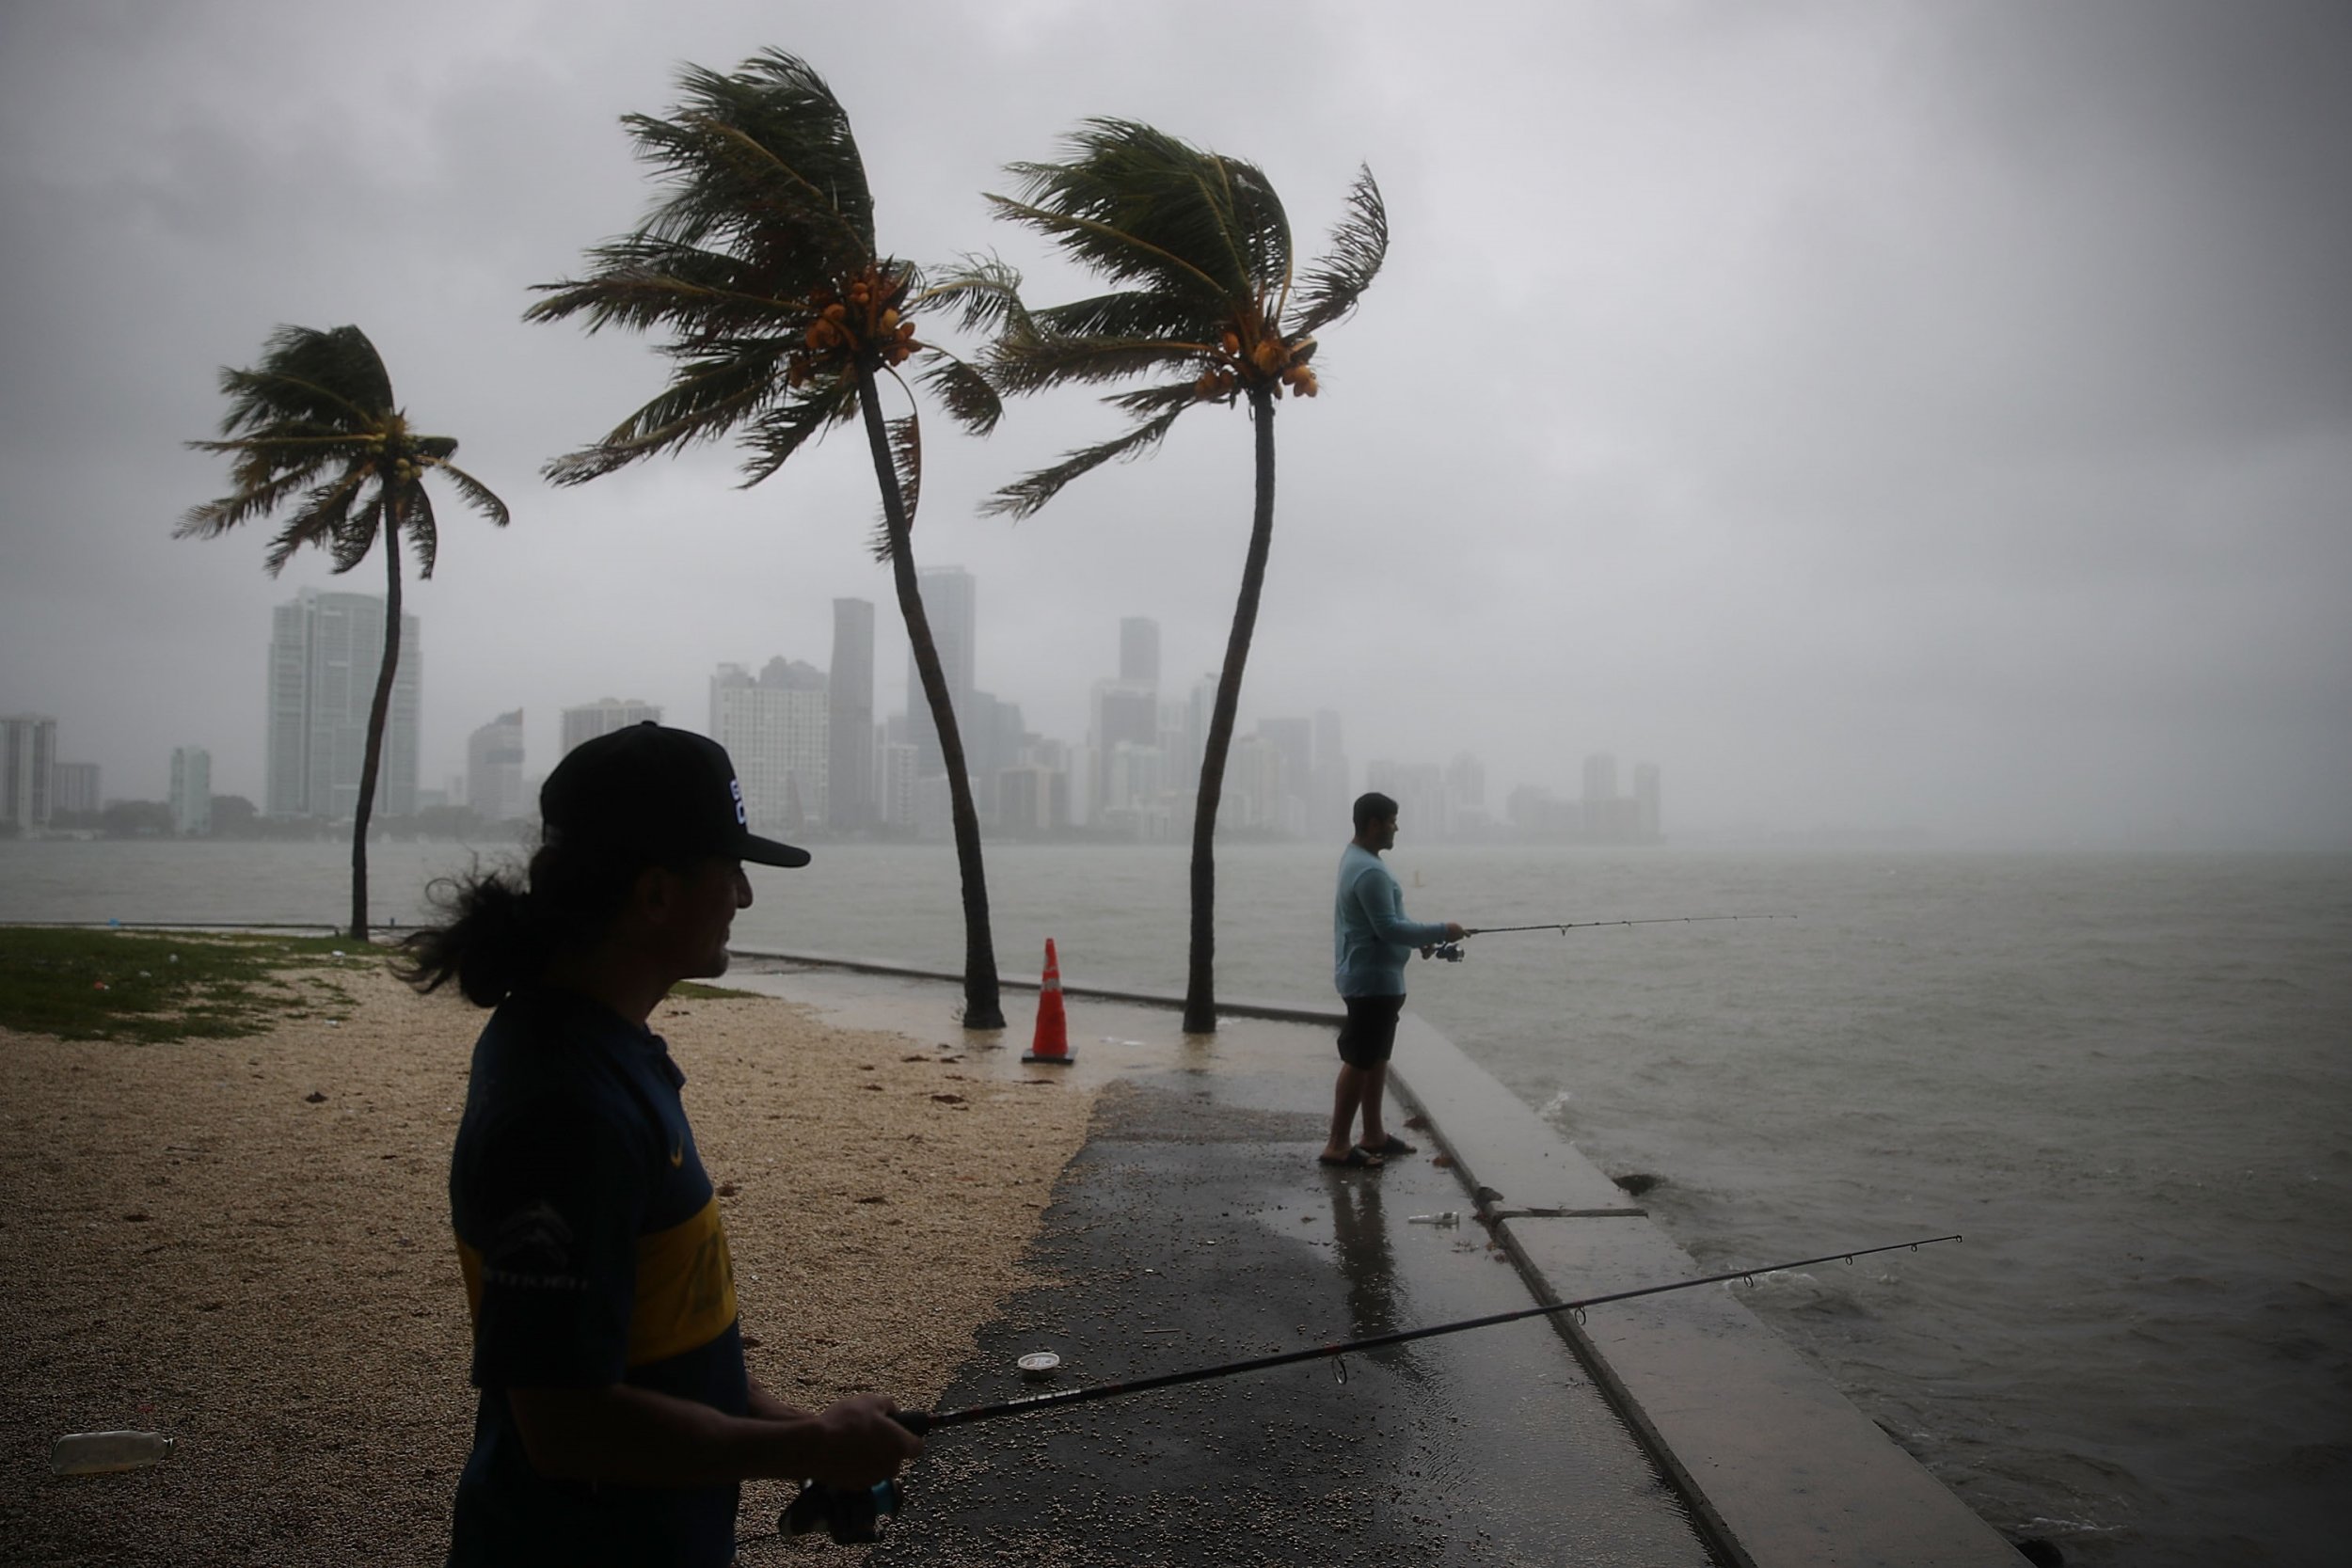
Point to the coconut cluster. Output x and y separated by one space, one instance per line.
862 317
1253 355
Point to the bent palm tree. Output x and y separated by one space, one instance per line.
760 262
314 426
1200 251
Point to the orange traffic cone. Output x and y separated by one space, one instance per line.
1052 1040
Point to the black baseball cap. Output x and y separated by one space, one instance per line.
671 793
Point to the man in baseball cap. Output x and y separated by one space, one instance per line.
616 1417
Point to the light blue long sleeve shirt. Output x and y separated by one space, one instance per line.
1371 939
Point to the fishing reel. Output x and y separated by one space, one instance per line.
1451 952
852 1515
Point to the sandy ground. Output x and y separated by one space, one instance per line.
198 1242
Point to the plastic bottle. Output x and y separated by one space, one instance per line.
1449 1218
89 1453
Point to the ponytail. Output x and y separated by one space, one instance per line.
504 931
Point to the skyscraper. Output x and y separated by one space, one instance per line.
325 651
1140 652
74 787
776 729
1646 825
1295 739
1332 793
191 791
1120 713
604 715
950 603
851 795
494 770
28 749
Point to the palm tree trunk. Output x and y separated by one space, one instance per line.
378 710
982 1008
1201 982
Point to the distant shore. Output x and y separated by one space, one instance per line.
244 1243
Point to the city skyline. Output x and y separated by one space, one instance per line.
1132 774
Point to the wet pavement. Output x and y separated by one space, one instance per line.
1195 1228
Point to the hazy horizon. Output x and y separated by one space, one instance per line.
1932 418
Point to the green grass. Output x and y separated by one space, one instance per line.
690 990
150 986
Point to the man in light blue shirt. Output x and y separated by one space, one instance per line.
1371 944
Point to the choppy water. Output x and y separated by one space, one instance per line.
2127 1079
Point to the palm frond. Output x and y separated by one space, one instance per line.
645 284
477 494
984 291
311 380
1132 202
215 517
349 544
1025 496
1129 313
323 518
730 383
1359 243
1028 365
411 512
783 429
766 147
963 392
1144 402
1125 258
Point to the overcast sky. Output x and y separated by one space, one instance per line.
1875 414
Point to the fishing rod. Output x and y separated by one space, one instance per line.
1452 951
1656 920
820 1507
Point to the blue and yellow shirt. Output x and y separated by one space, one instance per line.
593 1255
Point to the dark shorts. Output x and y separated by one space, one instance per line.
1369 1033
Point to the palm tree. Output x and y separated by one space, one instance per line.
314 428
759 260
1198 251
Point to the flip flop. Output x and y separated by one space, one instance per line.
1355 1159
1392 1144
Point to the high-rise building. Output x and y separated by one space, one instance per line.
851 795
604 715
951 604
777 729
1121 715
191 791
1646 814
895 772
1140 652
1332 793
74 787
325 652
1295 739
1252 793
1466 795
1419 790
494 770
1600 777
28 753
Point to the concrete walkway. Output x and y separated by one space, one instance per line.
1195 1228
